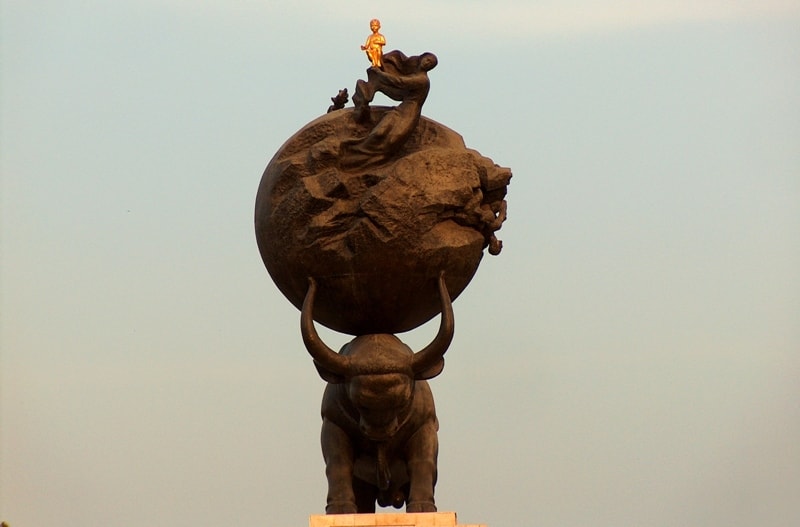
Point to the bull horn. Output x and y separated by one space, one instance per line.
324 356
433 352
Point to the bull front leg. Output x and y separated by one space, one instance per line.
422 451
337 450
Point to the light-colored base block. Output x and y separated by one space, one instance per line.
418 519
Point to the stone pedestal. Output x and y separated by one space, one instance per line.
420 519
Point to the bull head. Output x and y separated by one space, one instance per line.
379 370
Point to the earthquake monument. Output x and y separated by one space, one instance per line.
371 220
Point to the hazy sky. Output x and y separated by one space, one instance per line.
632 358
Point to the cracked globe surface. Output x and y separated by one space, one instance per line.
376 239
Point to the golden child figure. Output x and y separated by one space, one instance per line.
374 44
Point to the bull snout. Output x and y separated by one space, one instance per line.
379 432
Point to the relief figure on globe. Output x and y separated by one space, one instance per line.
372 220
403 79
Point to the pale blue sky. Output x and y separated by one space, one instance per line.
631 358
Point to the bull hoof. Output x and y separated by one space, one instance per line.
421 506
341 507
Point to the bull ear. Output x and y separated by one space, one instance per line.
327 375
431 372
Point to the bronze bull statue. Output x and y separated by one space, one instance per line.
379 426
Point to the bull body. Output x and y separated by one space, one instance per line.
379 426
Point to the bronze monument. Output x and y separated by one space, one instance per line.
370 220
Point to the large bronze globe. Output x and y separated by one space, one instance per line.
376 238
